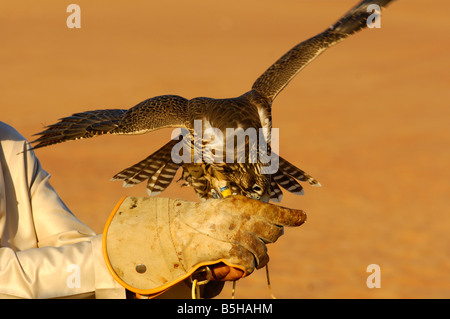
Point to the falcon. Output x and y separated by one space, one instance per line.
251 110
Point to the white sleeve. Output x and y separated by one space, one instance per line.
45 251
69 271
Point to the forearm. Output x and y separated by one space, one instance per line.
75 270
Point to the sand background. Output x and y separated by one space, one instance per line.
369 119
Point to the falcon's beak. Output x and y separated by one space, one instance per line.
264 198
254 196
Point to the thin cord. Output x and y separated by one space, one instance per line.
233 289
268 283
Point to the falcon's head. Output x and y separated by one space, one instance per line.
246 180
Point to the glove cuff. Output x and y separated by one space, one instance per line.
139 250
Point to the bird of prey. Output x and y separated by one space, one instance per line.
249 110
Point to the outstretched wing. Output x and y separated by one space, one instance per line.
149 115
79 126
272 81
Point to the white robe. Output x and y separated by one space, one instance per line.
45 251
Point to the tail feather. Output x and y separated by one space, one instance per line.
276 194
289 169
157 168
159 181
287 177
288 183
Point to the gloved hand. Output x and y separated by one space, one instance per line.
150 244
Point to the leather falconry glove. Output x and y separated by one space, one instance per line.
151 244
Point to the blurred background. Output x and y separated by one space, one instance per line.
369 119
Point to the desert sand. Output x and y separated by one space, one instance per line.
369 119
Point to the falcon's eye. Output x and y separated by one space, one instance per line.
256 188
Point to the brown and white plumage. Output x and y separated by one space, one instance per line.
250 110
